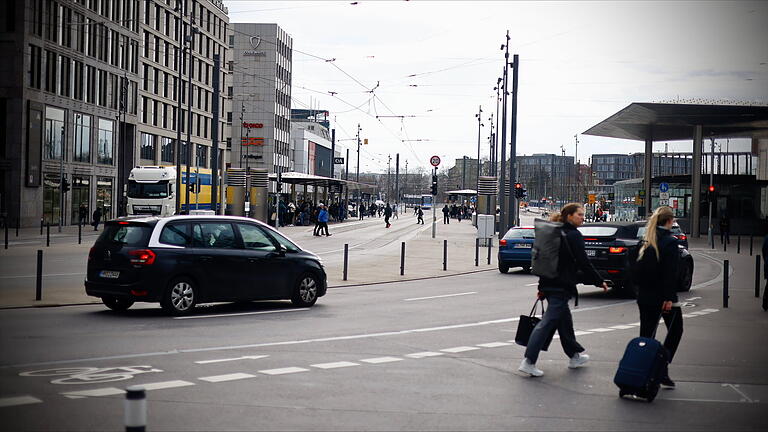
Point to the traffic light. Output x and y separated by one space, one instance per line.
434 185
192 186
711 193
520 192
64 185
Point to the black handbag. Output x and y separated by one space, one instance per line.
528 323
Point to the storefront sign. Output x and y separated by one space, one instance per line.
253 125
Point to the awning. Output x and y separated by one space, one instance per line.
315 180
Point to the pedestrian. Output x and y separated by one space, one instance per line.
96 218
322 216
316 213
394 211
658 268
387 215
419 215
725 229
82 213
361 211
446 218
557 292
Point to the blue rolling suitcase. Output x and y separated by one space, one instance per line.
641 368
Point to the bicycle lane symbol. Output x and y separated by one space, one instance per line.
90 375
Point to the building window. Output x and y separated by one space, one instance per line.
104 152
201 155
50 71
78 87
82 151
35 66
54 133
167 150
147 150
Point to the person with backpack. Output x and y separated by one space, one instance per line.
387 215
446 219
657 275
322 219
420 216
557 284
96 218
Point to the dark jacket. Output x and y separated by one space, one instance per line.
388 211
662 279
572 258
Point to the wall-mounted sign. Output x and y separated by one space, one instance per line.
255 42
252 141
338 160
253 125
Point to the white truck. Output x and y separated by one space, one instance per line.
152 191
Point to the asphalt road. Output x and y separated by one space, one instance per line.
418 355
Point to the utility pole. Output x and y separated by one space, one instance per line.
503 179
514 208
479 126
333 151
397 178
61 181
710 240
389 174
496 133
405 182
181 59
463 172
215 132
357 169
191 39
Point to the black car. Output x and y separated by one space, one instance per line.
182 261
613 246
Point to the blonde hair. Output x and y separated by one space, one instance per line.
660 217
566 211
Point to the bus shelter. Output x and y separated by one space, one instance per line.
461 196
323 189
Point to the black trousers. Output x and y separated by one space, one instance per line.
649 320
323 226
446 219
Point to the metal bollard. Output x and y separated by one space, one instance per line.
346 259
725 283
738 244
757 276
477 252
41 226
750 245
445 255
79 233
48 235
6 236
725 245
18 222
490 246
39 284
402 259
135 409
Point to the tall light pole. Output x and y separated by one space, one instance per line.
479 127
503 179
190 38
514 208
710 239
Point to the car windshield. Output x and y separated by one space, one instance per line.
598 231
675 230
128 235
148 190
520 233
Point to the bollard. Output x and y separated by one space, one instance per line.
445 255
39 284
490 246
750 245
725 283
725 246
6 236
79 233
402 259
757 276
738 244
477 252
135 409
346 259
41 226
18 222
48 235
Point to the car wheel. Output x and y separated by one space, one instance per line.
503 268
686 278
305 293
116 303
180 297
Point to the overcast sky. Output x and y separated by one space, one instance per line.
580 62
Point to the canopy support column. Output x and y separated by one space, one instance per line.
695 213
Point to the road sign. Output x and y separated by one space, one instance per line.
434 160
664 187
663 202
664 195
338 161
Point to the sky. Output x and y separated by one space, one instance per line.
413 74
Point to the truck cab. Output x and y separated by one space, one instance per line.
152 191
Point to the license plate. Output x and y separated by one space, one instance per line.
591 252
109 274
523 245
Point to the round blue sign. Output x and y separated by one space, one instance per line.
664 187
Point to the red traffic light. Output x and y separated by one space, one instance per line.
711 188
518 185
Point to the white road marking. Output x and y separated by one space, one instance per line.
106 391
459 349
494 344
335 365
241 314
710 310
634 324
424 354
622 327
378 360
253 357
601 330
227 377
690 315
440 296
532 284
581 332
45 275
166 384
693 298
18 400
698 313
283 371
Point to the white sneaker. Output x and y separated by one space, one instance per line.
530 368
577 360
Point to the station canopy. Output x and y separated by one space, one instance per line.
465 192
298 178
672 121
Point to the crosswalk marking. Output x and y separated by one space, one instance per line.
494 344
227 377
335 365
283 371
581 332
622 327
377 360
459 349
424 354
601 330
18 400
106 391
166 384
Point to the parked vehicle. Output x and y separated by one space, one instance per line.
515 249
613 246
182 261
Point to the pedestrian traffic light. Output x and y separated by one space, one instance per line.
711 189
191 187
64 185
434 185
519 190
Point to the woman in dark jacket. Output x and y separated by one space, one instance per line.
659 264
558 291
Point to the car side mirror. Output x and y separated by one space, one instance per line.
281 250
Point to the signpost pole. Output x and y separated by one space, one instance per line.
435 161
